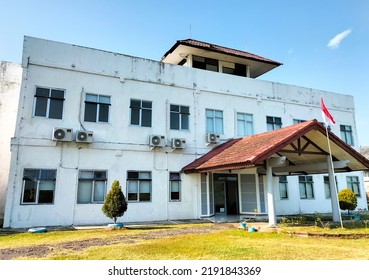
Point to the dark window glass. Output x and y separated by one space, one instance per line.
90 112
104 113
49 103
38 186
146 118
56 109
141 112
205 63
97 108
41 106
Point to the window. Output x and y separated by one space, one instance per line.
238 70
346 134
306 187
91 187
141 112
283 190
139 186
244 124
204 63
327 188
175 186
179 116
97 108
214 121
49 103
273 123
296 121
38 186
353 184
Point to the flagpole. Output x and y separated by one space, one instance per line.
334 179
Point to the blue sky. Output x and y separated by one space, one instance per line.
300 34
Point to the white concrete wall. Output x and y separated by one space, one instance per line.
10 77
119 146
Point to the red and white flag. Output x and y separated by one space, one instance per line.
327 117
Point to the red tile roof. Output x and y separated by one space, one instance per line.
220 49
252 150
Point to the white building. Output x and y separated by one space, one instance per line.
10 78
365 152
87 117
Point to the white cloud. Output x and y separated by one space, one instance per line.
335 42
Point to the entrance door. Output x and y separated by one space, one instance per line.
220 197
232 197
226 194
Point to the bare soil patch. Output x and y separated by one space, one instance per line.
39 251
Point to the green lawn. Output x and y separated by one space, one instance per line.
225 244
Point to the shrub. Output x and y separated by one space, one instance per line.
115 203
347 200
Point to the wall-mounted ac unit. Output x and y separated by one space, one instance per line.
157 141
212 138
62 134
178 143
84 136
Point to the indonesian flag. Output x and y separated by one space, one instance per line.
327 117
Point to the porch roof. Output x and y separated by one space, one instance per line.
304 146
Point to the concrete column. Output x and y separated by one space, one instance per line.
248 71
271 207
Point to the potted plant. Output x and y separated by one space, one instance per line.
115 204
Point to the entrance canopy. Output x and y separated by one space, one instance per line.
304 147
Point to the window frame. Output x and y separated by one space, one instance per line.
171 182
351 183
98 104
297 121
272 120
38 181
214 123
305 183
245 123
181 116
205 63
347 134
283 183
328 187
141 114
93 181
49 98
139 182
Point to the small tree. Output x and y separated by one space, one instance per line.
347 200
115 203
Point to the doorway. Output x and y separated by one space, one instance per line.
226 199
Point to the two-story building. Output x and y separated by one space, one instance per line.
87 117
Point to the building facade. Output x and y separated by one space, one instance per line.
10 79
87 117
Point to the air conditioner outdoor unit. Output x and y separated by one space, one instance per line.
157 141
62 134
212 138
84 136
178 143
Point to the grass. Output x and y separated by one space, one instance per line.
227 244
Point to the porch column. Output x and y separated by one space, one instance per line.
332 186
271 207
